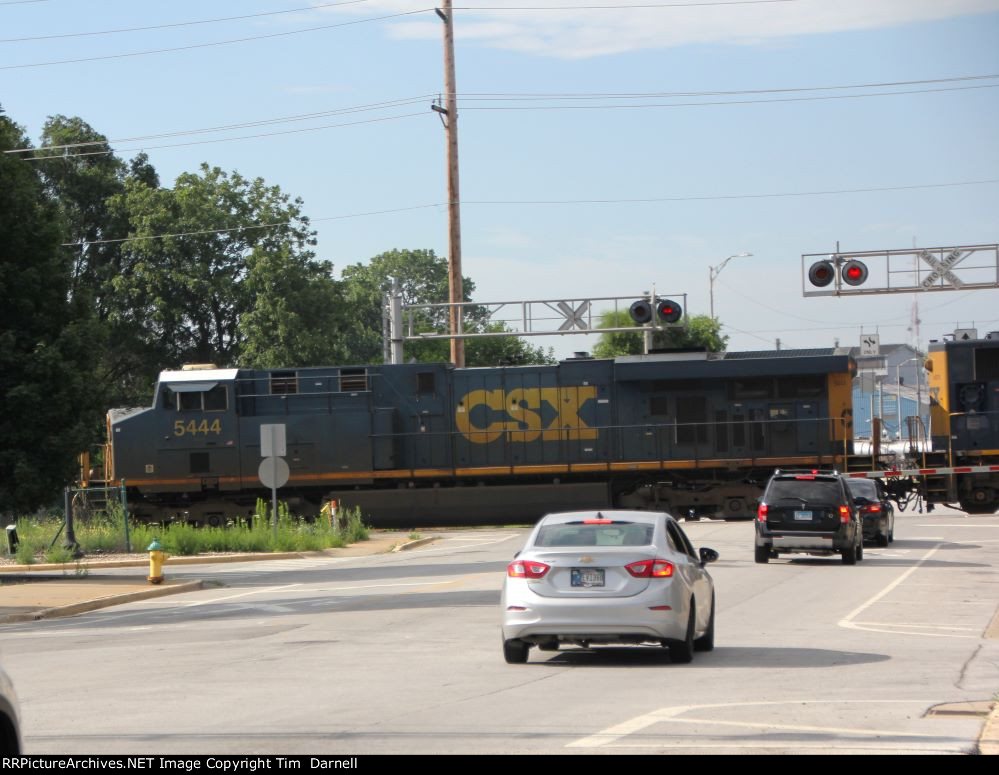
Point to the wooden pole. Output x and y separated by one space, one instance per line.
456 293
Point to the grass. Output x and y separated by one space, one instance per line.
103 533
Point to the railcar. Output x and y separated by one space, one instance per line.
964 422
689 432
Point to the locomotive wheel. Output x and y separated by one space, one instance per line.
982 501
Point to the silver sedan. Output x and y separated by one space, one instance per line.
590 577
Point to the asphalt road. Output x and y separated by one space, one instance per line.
401 654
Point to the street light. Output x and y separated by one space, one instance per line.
714 271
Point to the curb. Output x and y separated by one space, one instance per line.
988 741
102 602
199 559
414 544
174 560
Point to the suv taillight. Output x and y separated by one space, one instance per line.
525 569
761 513
644 569
844 514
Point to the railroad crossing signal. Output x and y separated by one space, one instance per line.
910 270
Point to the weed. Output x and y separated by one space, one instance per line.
25 554
58 555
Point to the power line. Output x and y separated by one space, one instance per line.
724 197
175 24
402 102
610 7
221 139
650 95
244 125
727 102
195 22
215 43
537 202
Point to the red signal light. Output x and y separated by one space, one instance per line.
669 311
854 272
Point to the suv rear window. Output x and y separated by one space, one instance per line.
818 491
580 534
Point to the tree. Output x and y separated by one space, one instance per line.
48 405
188 293
423 278
700 331
298 315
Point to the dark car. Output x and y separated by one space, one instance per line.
808 512
876 511
10 727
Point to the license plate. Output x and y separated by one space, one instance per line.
587 577
803 516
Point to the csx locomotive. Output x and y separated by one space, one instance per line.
419 443
686 432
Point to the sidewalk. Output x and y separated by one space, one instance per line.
31 592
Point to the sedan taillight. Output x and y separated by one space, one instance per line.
526 569
645 569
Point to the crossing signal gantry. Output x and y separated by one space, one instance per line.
910 270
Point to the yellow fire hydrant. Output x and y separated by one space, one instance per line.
156 559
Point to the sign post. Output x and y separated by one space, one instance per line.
273 471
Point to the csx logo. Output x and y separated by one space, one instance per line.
523 414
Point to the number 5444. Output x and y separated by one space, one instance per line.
193 427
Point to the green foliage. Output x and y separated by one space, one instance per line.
188 294
25 554
47 404
58 555
700 331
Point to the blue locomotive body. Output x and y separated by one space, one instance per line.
428 443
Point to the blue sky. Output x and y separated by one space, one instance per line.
535 250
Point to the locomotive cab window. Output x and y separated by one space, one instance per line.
196 398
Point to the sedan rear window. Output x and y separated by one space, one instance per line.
580 534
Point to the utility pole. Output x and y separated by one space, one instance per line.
449 114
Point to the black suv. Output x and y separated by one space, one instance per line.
808 512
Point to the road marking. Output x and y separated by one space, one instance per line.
848 623
957 747
233 597
611 735
976 524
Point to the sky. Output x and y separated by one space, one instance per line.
605 147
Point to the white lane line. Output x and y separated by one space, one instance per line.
423 552
957 747
242 594
796 728
611 735
976 524
848 623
